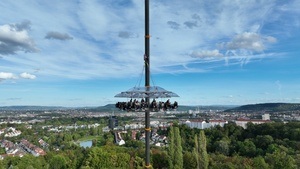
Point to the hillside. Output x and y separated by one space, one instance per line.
268 107
31 108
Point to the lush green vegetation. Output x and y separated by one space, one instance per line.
270 145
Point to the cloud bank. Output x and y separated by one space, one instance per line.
105 37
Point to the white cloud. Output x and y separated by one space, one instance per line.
248 41
14 38
26 75
206 54
6 75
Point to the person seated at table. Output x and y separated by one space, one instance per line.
175 105
153 104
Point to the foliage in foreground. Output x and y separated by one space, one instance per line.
266 146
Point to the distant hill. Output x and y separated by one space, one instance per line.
205 108
33 108
268 107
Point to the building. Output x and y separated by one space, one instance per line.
214 123
266 116
118 139
113 122
30 148
243 122
199 124
202 124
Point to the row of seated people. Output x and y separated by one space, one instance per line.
135 105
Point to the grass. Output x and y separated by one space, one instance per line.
87 138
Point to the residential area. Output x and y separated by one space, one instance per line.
38 133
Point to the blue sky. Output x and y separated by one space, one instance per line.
83 53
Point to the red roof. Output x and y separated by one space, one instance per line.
253 120
218 121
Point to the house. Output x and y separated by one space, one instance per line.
30 148
11 149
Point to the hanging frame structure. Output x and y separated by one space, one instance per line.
147 92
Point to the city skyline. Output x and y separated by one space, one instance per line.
83 53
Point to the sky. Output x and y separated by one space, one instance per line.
211 52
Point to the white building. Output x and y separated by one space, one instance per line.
266 116
214 123
243 122
201 124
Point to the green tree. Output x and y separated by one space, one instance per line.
58 162
24 162
109 138
263 141
279 159
171 148
67 137
222 146
139 163
175 159
107 157
13 167
189 160
93 131
2 150
178 157
159 159
30 167
260 163
200 151
247 148
204 155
